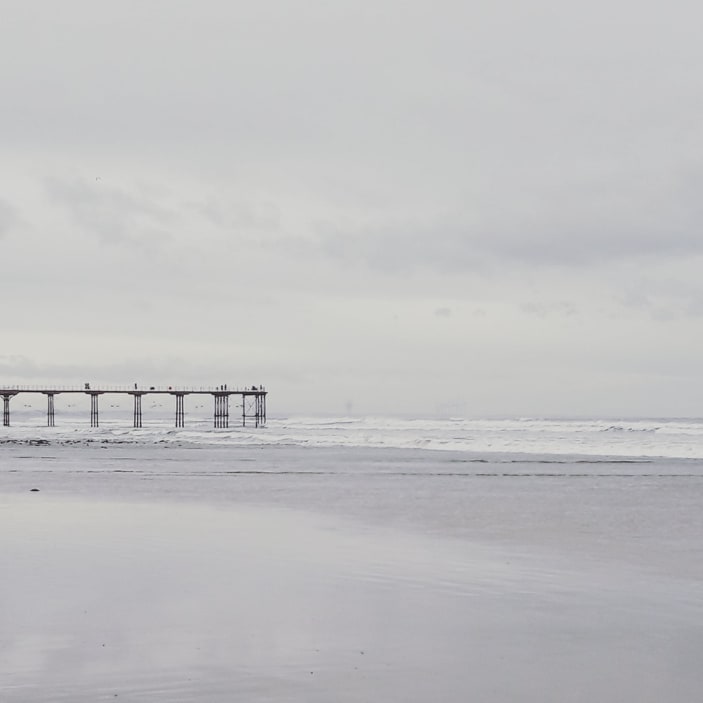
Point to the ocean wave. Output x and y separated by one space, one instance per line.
623 428
525 436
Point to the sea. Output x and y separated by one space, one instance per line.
351 559
538 437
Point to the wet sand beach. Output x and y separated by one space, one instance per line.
141 573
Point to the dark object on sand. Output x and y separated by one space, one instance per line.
34 490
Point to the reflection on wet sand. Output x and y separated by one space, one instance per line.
174 601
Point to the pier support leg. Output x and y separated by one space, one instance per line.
180 416
50 410
137 410
260 409
221 417
6 410
254 407
94 413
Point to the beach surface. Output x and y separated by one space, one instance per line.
146 572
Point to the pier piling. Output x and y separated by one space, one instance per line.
6 409
254 407
50 410
221 409
180 414
137 421
94 411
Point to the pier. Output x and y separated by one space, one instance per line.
253 401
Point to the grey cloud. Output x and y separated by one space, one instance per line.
581 233
111 214
663 299
443 312
257 215
545 309
8 218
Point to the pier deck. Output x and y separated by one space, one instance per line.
253 400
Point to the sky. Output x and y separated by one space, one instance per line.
399 207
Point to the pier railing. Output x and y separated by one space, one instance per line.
86 388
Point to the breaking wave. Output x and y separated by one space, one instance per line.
678 438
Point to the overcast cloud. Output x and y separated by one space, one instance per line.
405 207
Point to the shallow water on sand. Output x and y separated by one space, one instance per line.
142 573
